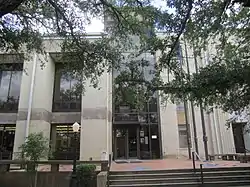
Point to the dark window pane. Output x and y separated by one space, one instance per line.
153 104
155 145
7 135
10 83
5 85
65 143
153 117
15 84
183 141
66 95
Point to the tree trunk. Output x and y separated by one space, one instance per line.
7 6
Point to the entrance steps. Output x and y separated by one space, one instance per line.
213 177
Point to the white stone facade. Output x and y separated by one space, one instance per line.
96 114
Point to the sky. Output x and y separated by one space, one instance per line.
95 26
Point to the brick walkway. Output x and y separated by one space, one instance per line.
172 164
157 165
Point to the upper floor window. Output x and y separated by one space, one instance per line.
184 135
180 107
67 95
10 84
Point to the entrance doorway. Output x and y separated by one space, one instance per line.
239 137
126 143
7 136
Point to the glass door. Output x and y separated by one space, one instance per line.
133 142
121 143
7 136
126 143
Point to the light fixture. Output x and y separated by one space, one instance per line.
73 180
154 136
75 127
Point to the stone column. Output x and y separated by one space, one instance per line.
95 121
169 130
226 133
214 134
41 101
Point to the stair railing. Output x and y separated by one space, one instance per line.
195 156
109 165
202 175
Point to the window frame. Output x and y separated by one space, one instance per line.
11 103
182 128
61 104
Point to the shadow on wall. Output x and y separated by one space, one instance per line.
45 179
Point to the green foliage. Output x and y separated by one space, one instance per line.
221 23
86 174
36 147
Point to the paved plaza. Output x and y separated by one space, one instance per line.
172 164
163 164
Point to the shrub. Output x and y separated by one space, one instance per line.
86 174
35 148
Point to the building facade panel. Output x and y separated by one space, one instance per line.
148 134
95 120
169 130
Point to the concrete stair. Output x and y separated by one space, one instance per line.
235 176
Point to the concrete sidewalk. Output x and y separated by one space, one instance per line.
172 164
163 164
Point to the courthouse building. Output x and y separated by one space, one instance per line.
35 99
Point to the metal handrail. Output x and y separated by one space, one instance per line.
5 164
193 159
202 175
198 156
60 105
247 150
9 105
194 156
109 165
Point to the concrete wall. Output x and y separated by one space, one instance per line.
102 178
220 138
169 130
24 179
226 134
41 107
95 120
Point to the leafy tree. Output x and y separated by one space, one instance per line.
24 23
225 81
223 24
35 148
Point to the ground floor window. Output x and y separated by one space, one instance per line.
65 142
7 136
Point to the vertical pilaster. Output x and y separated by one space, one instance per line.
41 99
169 130
95 121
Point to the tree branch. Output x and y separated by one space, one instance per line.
116 13
60 11
7 6
183 26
